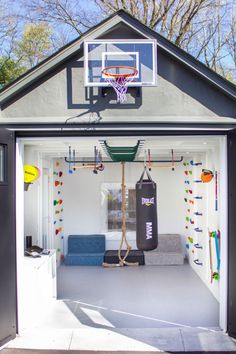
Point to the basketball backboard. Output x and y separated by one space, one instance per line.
139 54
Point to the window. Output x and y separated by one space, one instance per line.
115 212
2 163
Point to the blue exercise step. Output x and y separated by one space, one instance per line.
86 243
85 259
85 250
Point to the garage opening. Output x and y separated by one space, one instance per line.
71 211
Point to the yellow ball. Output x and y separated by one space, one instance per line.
31 173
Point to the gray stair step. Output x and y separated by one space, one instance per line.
169 243
168 252
168 258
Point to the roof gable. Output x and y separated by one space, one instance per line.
106 29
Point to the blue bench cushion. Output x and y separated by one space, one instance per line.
86 243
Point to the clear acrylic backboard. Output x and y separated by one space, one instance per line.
139 54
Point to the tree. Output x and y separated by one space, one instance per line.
8 28
9 70
75 16
231 44
200 27
35 44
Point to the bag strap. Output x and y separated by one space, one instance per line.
145 170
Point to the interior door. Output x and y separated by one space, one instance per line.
7 237
232 233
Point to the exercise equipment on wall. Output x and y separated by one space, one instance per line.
31 174
197 262
216 235
195 163
196 245
146 213
57 203
198 229
216 191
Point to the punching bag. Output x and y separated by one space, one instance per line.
146 213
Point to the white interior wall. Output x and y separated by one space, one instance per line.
32 199
58 209
85 209
209 221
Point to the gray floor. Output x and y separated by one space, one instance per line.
138 297
142 309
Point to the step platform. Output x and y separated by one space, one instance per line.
86 250
84 259
168 252
111 256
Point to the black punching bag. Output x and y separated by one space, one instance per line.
146 213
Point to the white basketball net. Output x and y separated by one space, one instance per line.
119 81
120 86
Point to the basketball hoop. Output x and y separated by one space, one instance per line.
119 80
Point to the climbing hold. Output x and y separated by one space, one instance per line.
198 214
60 201
216 276
190 239
189 191
58 230
60 173
57 163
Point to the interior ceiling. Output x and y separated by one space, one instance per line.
159 146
